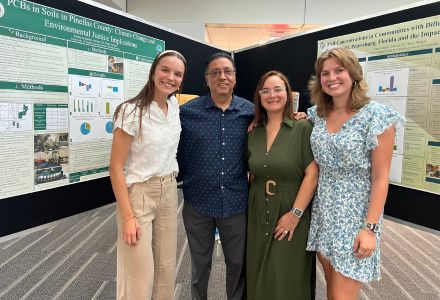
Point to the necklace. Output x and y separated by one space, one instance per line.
336 107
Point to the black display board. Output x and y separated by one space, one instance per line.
296 56
29 210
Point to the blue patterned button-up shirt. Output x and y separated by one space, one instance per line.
211 156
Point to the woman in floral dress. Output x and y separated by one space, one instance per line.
352 142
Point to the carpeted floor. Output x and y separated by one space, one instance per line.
75 258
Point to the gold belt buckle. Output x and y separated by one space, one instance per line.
268 183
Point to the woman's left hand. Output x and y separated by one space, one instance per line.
286 226
364 244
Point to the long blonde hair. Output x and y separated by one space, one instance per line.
349 61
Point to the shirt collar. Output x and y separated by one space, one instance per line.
286 121
208 103
171 104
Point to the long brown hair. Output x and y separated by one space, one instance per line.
260 111
349 61
142 101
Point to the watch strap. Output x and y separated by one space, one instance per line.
373 227
297 212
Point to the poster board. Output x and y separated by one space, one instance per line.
401 64
62 77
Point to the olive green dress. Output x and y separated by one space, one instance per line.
278 269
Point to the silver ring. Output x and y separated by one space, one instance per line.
285 231
361 253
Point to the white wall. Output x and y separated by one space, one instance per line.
190 16
178 14
226 11
332 12
117 4
122 4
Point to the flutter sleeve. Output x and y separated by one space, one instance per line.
383 118
127 119
311 113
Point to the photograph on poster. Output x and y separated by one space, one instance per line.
51 157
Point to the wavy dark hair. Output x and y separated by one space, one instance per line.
142 101
349 61
260 111
218 55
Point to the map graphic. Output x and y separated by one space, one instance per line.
15 117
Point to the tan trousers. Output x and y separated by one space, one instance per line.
147 270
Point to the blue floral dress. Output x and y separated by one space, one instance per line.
341 202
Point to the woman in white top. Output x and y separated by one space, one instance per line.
145 139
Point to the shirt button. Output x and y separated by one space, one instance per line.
223 158
222 186
223 173
264 166
267 212
267 233
223 129
267 223
223 144
223 115
267 153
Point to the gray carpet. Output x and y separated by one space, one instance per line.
75 258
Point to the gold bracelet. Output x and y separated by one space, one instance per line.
130 218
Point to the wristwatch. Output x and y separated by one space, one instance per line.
297 212
373 227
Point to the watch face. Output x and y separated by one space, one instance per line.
297 212
373 227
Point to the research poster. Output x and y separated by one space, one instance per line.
401 64
62 76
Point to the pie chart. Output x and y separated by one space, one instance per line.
85 128
109 127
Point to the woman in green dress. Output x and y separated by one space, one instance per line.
283 180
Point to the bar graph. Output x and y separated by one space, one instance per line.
391 87
388 83
112 88
84 106
87 86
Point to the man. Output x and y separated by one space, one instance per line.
214 173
